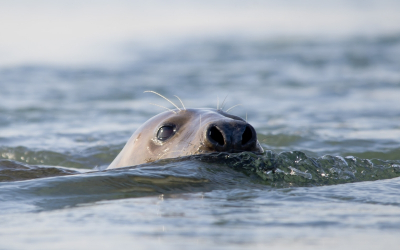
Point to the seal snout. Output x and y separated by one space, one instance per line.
231 136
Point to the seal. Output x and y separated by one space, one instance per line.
182 132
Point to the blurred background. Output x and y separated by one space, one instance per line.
111 32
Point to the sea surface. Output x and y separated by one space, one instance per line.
326 110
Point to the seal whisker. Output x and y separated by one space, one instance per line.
149 91
163 107
233 107
180 101
222 105
246 116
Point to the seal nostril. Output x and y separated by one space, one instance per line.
216 135
247 135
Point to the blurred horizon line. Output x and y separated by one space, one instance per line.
79 33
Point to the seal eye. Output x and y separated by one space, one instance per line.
165 132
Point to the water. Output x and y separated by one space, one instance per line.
325 109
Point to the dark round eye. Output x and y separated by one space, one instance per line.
165 132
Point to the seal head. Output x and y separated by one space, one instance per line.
187 132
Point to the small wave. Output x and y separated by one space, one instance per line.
16 171
98 156
164 177
197 173
294 168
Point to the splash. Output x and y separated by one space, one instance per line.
295 168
